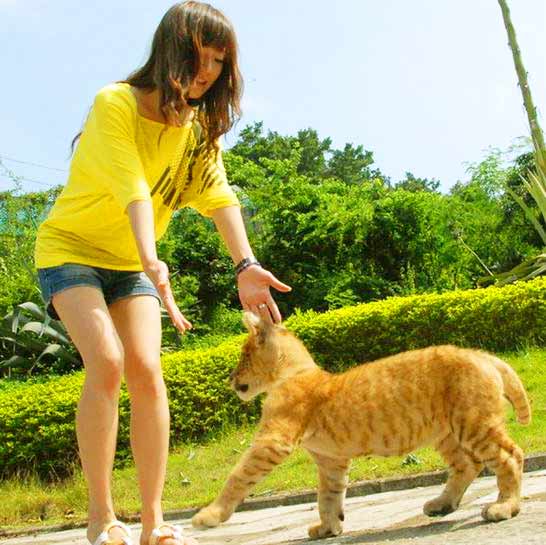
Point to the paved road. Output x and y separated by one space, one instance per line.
390 518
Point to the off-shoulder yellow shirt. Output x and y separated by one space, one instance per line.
123 157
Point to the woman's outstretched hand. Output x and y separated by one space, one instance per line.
158 273
254 284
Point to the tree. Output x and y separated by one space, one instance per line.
352 165
317 159
411 183
20 215
490 233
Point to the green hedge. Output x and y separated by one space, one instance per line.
37 427
495 319
37 420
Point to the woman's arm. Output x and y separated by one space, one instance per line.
254 281
141 215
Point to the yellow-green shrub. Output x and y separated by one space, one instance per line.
495 319
200 397
37 427
37 420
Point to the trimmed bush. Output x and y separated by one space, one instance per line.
37 420
37 428
201 400
494 319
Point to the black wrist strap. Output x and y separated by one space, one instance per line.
244 264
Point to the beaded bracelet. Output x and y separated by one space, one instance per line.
244 264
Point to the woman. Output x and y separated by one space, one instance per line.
150 145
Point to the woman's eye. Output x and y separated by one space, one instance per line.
221 61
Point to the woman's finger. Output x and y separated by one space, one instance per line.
262 310
275 312
278 285
177 318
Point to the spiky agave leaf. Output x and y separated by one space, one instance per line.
42 329
33 309
17 362
58 351
32 339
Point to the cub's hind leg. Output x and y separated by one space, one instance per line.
497 450
462 471
333 481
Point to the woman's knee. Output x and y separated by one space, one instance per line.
144 377
104 372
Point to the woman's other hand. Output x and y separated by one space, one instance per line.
158 273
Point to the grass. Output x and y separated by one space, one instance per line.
196 472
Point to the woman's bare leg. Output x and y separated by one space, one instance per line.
85 315
138 322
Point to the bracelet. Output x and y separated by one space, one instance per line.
244 264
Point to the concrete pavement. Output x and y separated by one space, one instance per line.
388 518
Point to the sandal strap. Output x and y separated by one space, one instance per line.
104 537
173 532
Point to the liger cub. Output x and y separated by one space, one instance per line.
449 397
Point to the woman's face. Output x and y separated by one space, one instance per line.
210 67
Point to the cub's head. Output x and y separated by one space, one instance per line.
262 360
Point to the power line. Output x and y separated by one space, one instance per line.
34 181
14 178
31 164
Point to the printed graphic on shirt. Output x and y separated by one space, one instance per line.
193 161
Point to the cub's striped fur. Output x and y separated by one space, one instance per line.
449 397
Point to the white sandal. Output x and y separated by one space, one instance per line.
173 532
105 539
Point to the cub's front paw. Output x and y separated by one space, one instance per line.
500 511
325 530
438 507
209 517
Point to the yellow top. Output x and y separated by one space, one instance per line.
123 157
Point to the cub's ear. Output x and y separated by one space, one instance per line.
251 322
255 325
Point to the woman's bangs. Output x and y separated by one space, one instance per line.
217 34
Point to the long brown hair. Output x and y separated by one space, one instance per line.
174 62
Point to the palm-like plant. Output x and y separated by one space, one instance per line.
534 183
30 341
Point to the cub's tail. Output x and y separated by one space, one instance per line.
514 390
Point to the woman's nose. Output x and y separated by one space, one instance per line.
205 67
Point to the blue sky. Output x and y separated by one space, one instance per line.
426 85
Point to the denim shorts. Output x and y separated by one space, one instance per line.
114 285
